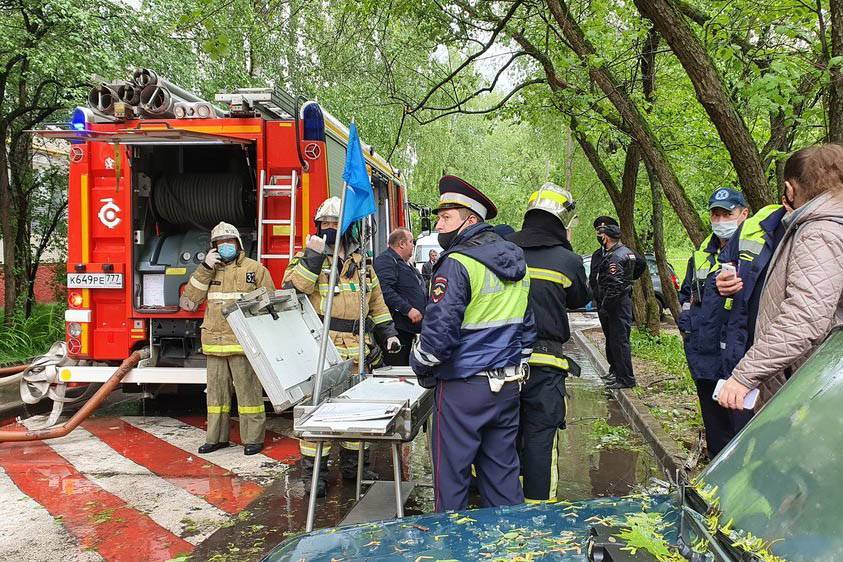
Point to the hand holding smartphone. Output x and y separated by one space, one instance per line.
748 401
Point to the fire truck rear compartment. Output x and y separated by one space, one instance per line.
181 192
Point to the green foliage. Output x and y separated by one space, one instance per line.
33 336
607 436
667 351
645 531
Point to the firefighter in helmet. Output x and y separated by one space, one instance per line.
557 283
308 273
225 275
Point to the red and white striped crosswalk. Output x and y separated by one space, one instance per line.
127 489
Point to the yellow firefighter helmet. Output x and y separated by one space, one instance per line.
554 200
224 230
329 210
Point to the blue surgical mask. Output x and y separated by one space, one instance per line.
228 251
724 230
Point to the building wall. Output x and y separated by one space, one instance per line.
46 287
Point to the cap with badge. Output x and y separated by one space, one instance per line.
610 230
726 198
456 193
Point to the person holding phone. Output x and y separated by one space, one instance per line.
802 296
703 312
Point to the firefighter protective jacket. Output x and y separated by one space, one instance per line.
478 318
309 273
557 282
222 285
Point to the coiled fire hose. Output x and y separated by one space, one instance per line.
61 430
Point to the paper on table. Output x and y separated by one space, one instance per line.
153 290
337 411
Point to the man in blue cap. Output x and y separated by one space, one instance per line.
476 338
704 313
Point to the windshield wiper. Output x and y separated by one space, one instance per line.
694 509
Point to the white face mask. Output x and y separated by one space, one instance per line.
724 229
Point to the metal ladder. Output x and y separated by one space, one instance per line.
282 189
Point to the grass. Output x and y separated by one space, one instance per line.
33 336
667 352
606 436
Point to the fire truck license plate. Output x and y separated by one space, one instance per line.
94 280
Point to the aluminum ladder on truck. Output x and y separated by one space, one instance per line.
287 187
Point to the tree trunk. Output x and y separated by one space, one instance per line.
650 147
7 232
669 292
712 94
835 88
644 304
569 159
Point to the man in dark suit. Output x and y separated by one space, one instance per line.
403 291
427 267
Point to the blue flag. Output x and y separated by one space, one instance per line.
359 195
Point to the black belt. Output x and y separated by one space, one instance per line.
348 326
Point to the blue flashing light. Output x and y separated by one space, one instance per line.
79 119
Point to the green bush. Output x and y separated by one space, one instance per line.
33 336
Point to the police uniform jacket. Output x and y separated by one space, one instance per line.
478 318
750 250
222 285
614 277
309 273
701 318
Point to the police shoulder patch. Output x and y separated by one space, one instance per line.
613 268
250 277
438 288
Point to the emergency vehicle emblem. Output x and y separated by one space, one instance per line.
250 277
108 214
108 163
438 288
76 153
312 151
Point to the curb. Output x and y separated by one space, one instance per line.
667 451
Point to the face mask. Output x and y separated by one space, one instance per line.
227 251
330 235
447 238
724 230
600 240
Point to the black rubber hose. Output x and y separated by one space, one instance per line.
202 200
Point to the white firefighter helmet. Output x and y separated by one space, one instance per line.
224 230
555 200
329 210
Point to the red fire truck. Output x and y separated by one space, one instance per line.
144 193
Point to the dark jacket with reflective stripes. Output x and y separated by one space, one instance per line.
557 282
700 319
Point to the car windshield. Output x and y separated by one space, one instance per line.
780 478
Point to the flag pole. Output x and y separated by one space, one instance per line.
326 321
361 357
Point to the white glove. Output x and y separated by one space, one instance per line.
212 258
316 243
393 344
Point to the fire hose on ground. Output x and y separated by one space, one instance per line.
57 395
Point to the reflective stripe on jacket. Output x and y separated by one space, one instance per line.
309 273
478 317
220 286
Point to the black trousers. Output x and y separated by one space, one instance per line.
402 358
618 327
604 325
721 424
542 414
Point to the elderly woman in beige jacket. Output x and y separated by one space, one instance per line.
801 301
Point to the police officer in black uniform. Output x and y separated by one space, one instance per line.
596 258
557 281
614 302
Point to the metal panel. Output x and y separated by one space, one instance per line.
146 375
336 164
282 345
